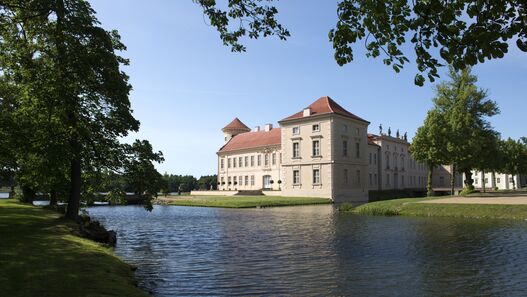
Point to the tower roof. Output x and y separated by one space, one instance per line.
236 125
325 105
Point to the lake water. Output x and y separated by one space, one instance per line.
316 251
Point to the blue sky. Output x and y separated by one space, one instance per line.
187 85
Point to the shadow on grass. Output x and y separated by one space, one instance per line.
41 256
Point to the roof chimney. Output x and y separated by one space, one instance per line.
307 112
257 129
268 127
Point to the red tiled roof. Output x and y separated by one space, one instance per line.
325 105
236 124
253 140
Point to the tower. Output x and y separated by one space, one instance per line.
234 128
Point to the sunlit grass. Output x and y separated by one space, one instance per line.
247 201
411 207
40 256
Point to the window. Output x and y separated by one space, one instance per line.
296 150
280 159
274 159
402 180
235 179
246 180
316 176
229 179
358 177
387 179
388 161
476 181
259 160
222 180
486 180
252 180
229 163
344 128
316 128
357 131
346 177
499 180
266 160
296 130
234 162
371 180
345 148
252 161
246 161
240 162
375 178
316 148
370 158
375 158
296 177
222 163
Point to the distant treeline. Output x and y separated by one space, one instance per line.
187 183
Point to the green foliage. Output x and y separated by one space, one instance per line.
180 183
64 99
467 191
251 19
346 207
208 182
461 33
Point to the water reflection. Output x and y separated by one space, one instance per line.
314 250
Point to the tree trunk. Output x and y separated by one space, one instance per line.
484 182
28 194
53 198
429 189
12 192
468 179
453 180
75 190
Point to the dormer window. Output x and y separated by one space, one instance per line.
296 130
316 128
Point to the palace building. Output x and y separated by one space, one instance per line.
321 151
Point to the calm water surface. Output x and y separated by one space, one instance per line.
314 250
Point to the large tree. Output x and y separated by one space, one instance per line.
465 108
439 32
514 157
429 145
71 94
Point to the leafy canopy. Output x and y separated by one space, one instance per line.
461 33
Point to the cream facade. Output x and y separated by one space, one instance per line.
321 151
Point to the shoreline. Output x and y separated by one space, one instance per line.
458 207
41 254
240 201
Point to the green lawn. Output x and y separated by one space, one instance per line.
409 207
246 201
40 256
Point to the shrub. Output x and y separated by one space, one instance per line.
467 191
346 206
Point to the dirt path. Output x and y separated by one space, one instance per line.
510 200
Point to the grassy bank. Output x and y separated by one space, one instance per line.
410 207
40 256
245 201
